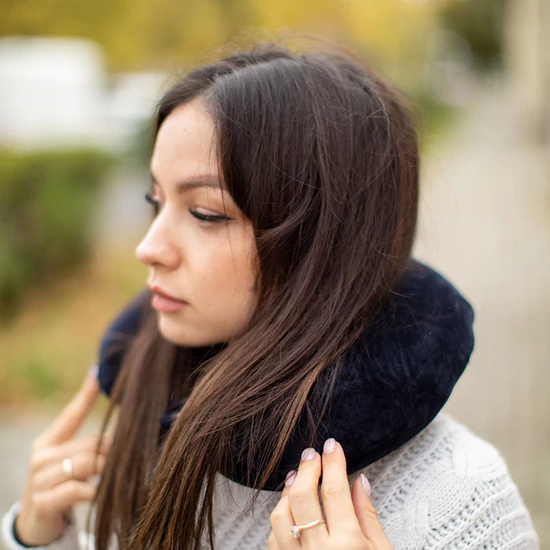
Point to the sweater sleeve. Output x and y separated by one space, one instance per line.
504 522
67 541
495 517
489 511
451 491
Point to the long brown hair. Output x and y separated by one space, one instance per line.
321 156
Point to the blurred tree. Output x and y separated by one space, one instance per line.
57 17
47 206
480 23
168 34
396 34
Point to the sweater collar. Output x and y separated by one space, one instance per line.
393 381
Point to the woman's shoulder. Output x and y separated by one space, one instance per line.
449 445
445 451
448 487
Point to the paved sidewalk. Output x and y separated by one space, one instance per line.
485 223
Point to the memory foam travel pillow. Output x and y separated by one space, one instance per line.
392 383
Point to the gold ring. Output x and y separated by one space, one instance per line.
295 529
67 465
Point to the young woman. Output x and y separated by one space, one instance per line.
283 313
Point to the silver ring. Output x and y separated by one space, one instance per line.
295 529
67 466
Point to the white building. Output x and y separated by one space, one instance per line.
55 92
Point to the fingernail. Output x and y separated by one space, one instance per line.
308 454
290 477
329 446
366 485
92 372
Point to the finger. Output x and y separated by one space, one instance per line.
85 465
55 455
282 519
335 491
290 477
304 500
71 418
62 497
367 515
272 542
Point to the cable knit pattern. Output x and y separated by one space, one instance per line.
444 489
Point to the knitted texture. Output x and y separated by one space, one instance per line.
444 489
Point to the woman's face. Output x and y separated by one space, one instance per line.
200 248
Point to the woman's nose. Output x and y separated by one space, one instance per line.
156 250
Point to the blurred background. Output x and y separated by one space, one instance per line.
78 83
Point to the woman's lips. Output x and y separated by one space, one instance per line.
165 304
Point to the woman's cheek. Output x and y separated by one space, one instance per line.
220 264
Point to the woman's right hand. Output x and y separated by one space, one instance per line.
349 521
49 491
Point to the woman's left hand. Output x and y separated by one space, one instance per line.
351 520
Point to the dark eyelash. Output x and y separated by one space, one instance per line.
208 217
202 217
154 202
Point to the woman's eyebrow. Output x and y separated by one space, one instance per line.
201 180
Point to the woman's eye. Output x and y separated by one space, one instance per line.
208 217
154 202
212 218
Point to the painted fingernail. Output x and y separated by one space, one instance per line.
329 446
290 477
366 485
308 454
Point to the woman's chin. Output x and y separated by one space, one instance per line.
181 335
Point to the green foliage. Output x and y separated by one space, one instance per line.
433 120
480 23
47 202
42 381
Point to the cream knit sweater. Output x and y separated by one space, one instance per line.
444 489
